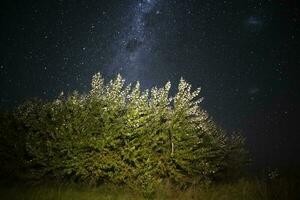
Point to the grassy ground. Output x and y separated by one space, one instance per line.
280 189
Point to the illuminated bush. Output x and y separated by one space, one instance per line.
123 135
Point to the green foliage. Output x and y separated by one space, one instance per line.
120 134
244 189
12 147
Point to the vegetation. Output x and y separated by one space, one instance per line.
277 189
119 134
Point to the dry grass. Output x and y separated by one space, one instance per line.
280 189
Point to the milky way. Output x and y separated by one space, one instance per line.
134 47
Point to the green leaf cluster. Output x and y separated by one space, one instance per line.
122 134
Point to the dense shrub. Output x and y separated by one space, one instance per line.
120 134
12 147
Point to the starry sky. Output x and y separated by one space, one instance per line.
243 54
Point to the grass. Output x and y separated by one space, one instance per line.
280 189
66 192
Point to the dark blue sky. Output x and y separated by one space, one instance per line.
242 53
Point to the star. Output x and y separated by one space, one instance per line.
254 20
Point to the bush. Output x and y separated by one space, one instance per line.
120 134
12 147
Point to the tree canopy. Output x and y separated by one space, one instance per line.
118 133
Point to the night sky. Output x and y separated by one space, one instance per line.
244 54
